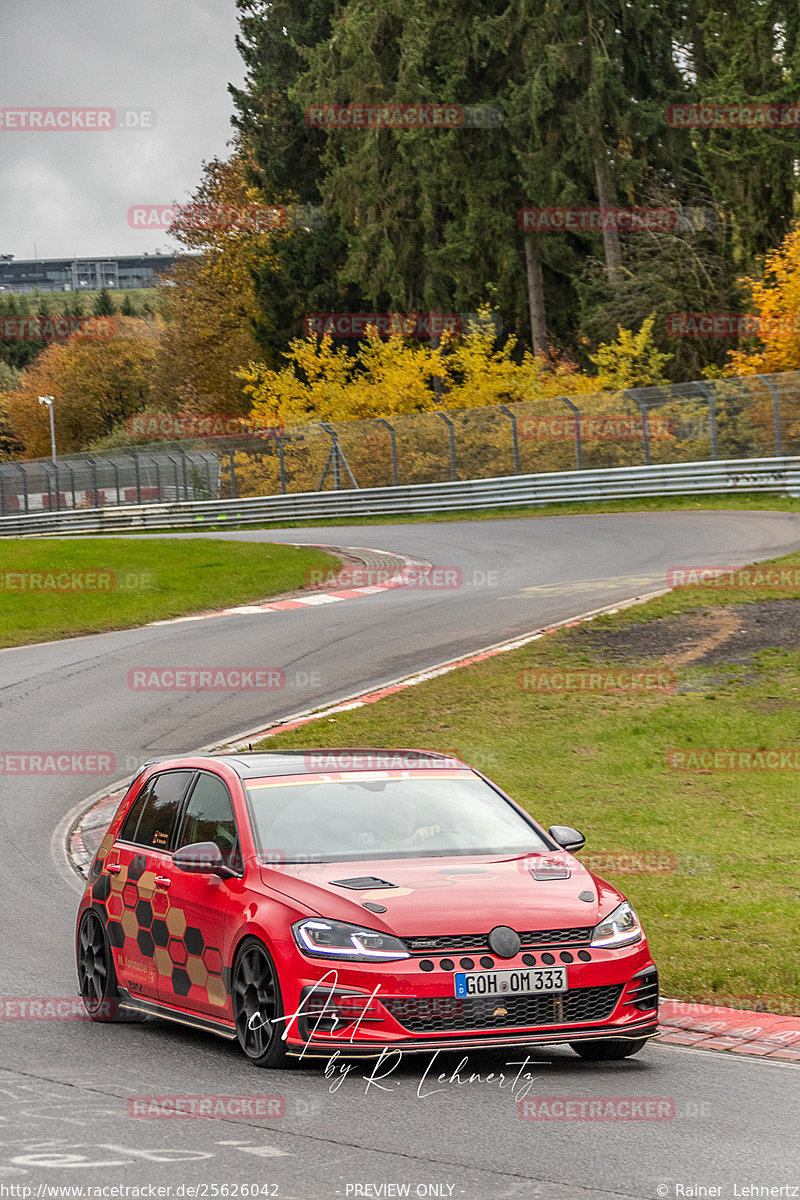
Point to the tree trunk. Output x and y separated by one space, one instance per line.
605 195
533 264
698 44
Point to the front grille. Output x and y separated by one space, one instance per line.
558 937
439 1014
429 945
579 936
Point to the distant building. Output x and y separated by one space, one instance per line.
82 274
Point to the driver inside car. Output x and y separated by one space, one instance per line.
403 824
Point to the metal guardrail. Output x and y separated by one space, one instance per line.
671 479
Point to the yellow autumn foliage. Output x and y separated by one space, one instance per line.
420 388
776 302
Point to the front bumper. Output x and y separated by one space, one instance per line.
406 1007
319 1047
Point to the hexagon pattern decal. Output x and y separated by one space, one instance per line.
135 909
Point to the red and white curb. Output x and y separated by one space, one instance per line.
681 1022
740 1031
396 579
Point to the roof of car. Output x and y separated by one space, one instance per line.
256 764
291 762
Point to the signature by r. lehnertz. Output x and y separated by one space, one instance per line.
519 1082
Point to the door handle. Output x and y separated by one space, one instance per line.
162 881
113 868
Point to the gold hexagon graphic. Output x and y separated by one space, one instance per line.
216 990
118 881
147 885
176 922
196 970
105 845
129 923
163 961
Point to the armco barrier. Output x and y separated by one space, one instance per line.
672 479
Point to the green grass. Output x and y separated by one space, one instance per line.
724 922
148 581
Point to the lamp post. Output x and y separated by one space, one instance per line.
48 400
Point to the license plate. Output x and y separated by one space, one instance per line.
511 983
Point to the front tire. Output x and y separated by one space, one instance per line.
258 1005
97 978
608 1049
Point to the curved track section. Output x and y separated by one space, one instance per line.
65 1085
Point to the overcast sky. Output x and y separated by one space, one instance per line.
69 192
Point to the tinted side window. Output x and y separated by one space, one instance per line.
160 809
128 831
209 816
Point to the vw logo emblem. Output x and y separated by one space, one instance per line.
504 942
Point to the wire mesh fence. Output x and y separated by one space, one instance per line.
747 417
135 476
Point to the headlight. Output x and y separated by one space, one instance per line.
335 939
621 928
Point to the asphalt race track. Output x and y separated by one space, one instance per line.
64 1085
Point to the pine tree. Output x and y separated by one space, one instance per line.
430 213
17 349
746 52
74 306
103 305
282 159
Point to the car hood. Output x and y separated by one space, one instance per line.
453 895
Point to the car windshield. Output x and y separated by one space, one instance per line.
384 814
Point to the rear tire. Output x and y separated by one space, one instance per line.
608 1049
258 1005
97 978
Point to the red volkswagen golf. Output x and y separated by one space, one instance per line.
312 901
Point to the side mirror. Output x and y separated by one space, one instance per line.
202 858
567 837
